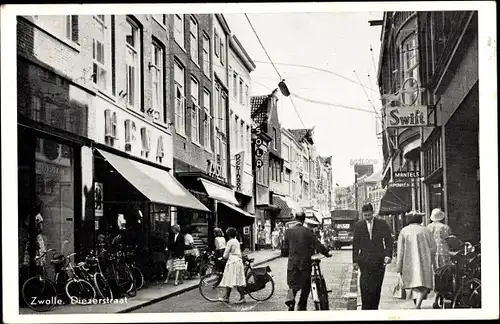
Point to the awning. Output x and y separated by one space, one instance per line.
315 214
285 210
292 204
411 146
237 209
310 221
157 185
218 192
396 200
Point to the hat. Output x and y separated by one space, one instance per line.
437 215
414 216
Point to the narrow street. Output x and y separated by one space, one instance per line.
335 269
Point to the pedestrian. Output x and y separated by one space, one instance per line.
274 238
371 252
416 251
299 246
234 271
176 251
440 232
219 242
262 238
158 246
190 252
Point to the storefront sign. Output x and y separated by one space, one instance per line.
363 161
406 116
406 174
399 184
240 162
214 170
98 194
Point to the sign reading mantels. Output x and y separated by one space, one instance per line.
400 108
111 135
406 174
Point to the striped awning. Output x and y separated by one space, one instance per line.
285 210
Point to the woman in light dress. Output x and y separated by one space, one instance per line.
274 238
440 232
234 271
416 250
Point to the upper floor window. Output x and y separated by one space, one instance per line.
161 19
156 69
179 29
275 138
222 52
247 96
235 85
194 40
242 98
242 135
286 152
195 112
207 121
410 68
206 56
133 65
217 43
180 120
101 53
72 28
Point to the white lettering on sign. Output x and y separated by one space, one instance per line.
406 116
214 170
399 184
363 161
407 174
239 170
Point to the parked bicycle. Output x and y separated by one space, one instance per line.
459 282
91 270
119 275
257 280
134 269
319 292
78 289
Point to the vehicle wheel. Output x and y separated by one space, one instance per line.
469 295
323 295
264 293
209 286
102 286
39 294
80 291
126 281
138 277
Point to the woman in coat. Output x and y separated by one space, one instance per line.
440 232
416 251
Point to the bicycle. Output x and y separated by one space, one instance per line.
257 279
79 290
118 272
134 269
92 272
319 292
39 292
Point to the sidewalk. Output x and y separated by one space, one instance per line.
146 296
386 299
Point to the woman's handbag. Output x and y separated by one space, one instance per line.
399 292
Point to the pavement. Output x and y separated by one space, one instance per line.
337 271
148 295
387 301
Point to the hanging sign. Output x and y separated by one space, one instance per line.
406 174
406 116
98 194
240 162
399 184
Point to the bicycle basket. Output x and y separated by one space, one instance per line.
257 279
443 279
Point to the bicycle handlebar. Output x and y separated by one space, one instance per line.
44 254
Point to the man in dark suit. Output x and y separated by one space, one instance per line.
371 252
299 246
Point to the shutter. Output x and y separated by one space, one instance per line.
74 28
143 138
159 151
148 140
114 126
128 130
107 122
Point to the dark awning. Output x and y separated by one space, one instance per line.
285 210
157 185
396 200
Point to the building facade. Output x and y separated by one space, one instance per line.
437 52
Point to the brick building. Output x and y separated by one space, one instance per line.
445 150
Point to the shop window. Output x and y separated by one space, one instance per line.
146 142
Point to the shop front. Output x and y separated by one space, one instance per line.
396 202
51 132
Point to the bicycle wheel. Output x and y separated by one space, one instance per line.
138 277
469 295
102 286
207 268
323 295
39 294
209 286
80 291
126 281
264 293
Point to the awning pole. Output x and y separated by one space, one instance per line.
216 214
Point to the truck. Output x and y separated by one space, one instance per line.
342 224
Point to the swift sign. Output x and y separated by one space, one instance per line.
406 116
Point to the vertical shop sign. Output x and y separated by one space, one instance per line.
240 162
98 194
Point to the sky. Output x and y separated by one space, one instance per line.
335 41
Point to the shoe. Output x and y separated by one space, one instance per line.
176 283
165 282
291 305
241 301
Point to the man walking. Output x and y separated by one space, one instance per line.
299 245
371 252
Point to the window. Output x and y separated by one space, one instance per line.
410 70
133 66
217 104
179 29
235 86
249 137
217 44
72 28
194 41
156 69
161 19
241 92
195 112
146 142
207 122
275 138
222 108
206 56
286 152
247 96
180 121
236 131
222 52
242 135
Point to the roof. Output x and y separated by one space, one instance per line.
260 108
302 134
241 53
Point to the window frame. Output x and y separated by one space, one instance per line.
195 57
207 122
159 69
163 22
195 110
136 58
107 55
179 35
70 31
241 83
180 112
217 43
406 70
206 62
